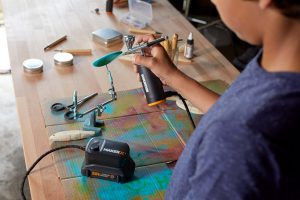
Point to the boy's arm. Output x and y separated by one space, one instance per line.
198 95
161 65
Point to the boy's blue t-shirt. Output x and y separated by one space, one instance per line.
247 146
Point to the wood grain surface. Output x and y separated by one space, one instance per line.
32 24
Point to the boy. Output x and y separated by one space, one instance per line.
246 145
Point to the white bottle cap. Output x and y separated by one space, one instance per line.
190 39
190 36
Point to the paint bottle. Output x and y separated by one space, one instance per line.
189 47
109 6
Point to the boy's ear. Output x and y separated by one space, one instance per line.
263 4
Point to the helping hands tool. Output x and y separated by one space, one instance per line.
74 114
57 107
75 104
93 124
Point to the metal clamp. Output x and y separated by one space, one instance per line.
74 114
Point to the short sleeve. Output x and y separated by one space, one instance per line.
234 163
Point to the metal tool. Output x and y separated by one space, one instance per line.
57 107
75 104
73 114
129 40
111 91
93 124
56 42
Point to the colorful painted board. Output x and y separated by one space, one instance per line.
156 135
153 138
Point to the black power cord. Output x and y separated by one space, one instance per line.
172 93
40 158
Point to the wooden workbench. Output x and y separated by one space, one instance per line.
32 24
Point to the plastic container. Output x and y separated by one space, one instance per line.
140 14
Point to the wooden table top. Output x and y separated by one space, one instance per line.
31 25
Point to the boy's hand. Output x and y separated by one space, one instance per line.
156 59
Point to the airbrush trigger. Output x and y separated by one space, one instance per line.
129 40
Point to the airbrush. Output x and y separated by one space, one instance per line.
152 85
108 58
141 46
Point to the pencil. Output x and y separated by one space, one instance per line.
56 42
78 52
144 31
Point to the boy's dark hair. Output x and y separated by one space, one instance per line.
289 8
